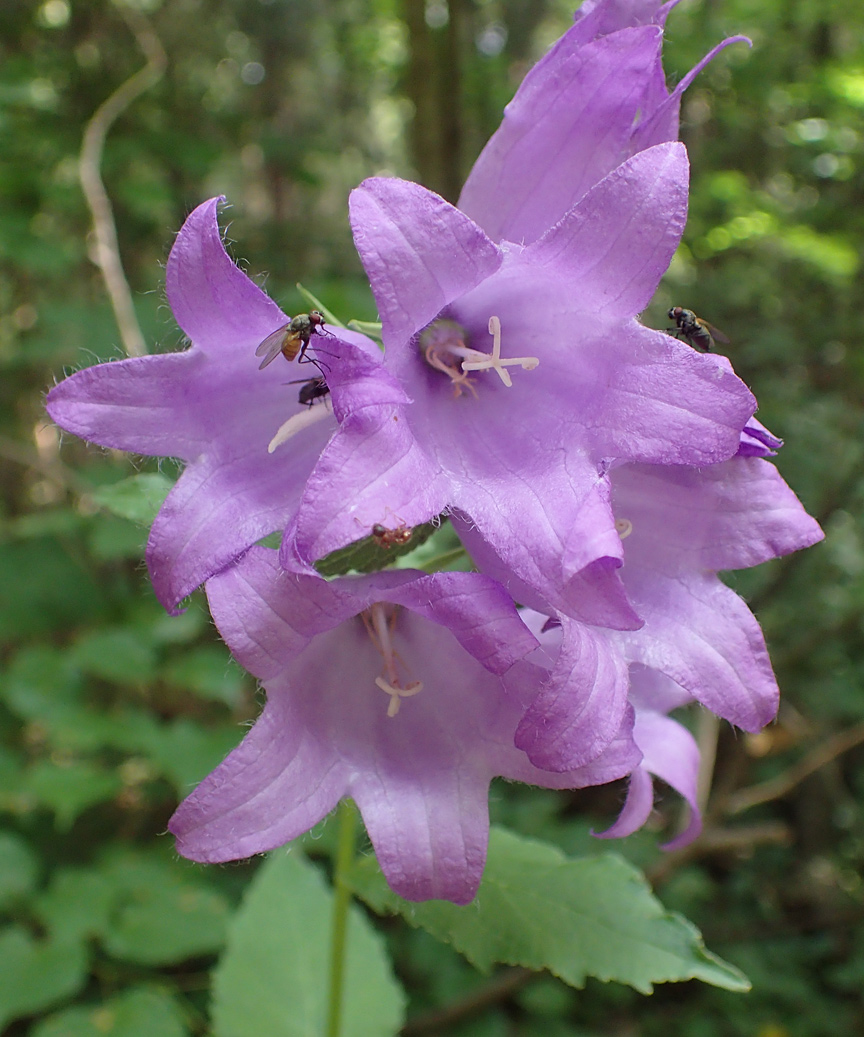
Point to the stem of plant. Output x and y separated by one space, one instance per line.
346 817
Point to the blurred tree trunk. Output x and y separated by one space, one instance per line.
433 79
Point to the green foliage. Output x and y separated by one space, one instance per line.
110 711
577 918
139 1012
273 976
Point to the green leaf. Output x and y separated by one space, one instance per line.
36 974
577 917
69 789
121 655
139 1012
272 978
368 555
18 868
187 752
160 915
77 904
137 498
208 671
316 304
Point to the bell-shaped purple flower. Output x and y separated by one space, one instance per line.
398 689
560 379
211 407
596 98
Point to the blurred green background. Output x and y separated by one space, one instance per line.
110 710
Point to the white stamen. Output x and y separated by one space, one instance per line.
297 422
623 527
483 361
397 694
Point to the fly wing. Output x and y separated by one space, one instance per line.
716 333
271 347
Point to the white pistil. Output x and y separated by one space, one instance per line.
297 422
478 361
397 694
623 527
379 629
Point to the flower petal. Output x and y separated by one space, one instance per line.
727 516
581 707
213 301
703 636
616 244
671 754
277 784
569 124
138 405
419 251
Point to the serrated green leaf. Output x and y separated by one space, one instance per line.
69 789
18 868
368 555
137 498
579 917
36 974
272 978
139 1012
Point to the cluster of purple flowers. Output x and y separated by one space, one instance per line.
598 472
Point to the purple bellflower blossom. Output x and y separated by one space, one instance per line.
679 526
523 456
211 407
399 689
596 98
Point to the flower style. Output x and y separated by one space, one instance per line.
398 689
210 406
680 526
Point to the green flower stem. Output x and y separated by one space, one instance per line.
437 563
346 818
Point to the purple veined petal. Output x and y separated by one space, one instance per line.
616 244
268 616
702 635
671 754
135 405
637 807
757 441
277 784
727 516
557 520
666 404
594 595
218 307
660 123
442 818
477 610
373 471
568 125
218 509
419 251
596 18
581 707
